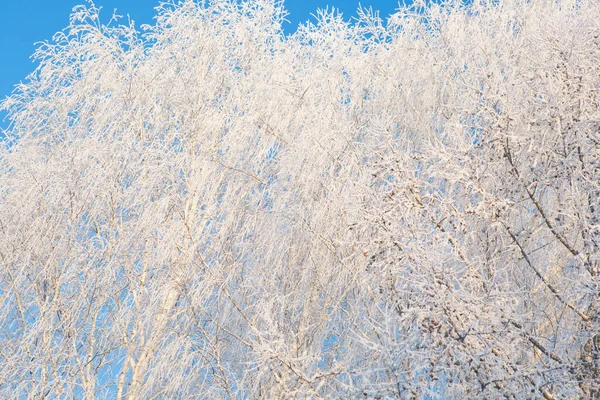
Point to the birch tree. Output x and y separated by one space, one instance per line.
208 208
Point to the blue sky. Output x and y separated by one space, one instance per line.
22 23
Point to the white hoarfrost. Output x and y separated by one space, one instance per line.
212 209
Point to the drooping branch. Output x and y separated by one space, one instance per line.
539 274
537 204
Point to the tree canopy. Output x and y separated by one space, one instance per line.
212 209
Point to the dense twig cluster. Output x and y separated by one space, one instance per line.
214 210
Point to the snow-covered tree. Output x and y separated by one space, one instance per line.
212 209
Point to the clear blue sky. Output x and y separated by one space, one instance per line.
24 22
